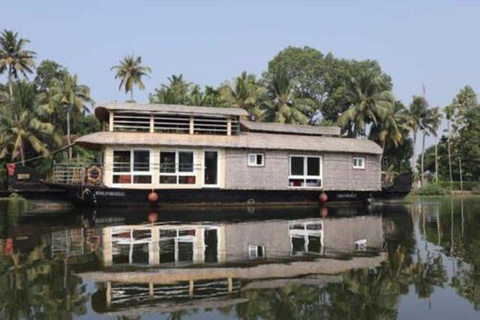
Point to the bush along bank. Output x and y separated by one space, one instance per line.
446 188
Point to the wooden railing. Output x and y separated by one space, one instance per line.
70 173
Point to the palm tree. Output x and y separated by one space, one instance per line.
212 97
130 72
68 93
176 92
281 104
370 100
429 125
20 123
389 128
246 93
415 115
14 58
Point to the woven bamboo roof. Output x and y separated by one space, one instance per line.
248 140
291 128
101 110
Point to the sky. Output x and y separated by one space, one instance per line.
431 43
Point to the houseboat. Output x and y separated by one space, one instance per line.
174 154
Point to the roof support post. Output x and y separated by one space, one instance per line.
110 121
229 126
152 124
191 125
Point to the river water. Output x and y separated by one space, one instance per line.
418 260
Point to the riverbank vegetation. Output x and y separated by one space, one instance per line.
43 107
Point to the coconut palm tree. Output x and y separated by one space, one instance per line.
415 114
130 72
20 124
14 58
176 92
281 104
212 97
370 100
68 93
246 93
388 130
429 126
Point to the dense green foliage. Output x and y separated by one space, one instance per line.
432 189
300 86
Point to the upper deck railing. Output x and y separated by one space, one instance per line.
164 123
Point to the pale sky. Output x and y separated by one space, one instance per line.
432 42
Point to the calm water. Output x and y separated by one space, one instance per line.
389 261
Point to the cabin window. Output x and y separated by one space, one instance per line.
255 252
305 172
305 237
177 246
358 162
131 166
256 159
177 167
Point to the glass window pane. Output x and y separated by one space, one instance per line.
142 179
313 168
185 252
296 182
259 159
314 244
297 166
121 161
298 245
141 160
167 162
185 161
167 251
186 179
252 159
168 179
314 183
122 178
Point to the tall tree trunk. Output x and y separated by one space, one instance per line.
68 133
436 160
449 154
422 178
414 158
10 80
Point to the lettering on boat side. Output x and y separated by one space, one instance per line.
346 195
110 193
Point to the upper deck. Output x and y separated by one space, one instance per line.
180 119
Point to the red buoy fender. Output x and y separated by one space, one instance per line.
152 197
322 198
152 217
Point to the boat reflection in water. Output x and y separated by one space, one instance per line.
167 267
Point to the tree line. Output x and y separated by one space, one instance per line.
300 86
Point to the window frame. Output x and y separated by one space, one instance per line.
253 252
361 167
256 154
132 172
305 177
178 173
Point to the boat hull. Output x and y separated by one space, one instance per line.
120 197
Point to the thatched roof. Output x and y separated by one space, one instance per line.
250 140
101 110
291 128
